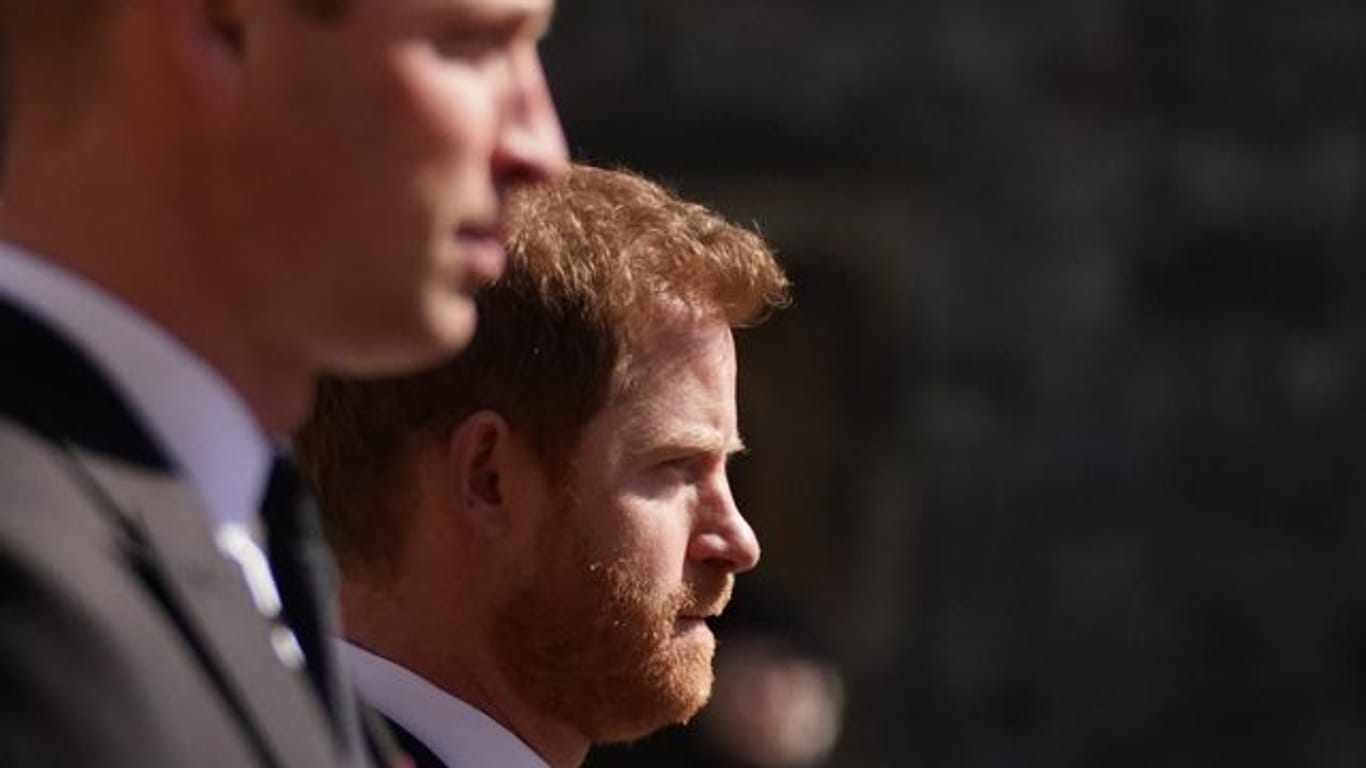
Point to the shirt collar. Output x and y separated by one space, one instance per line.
190 410
454 731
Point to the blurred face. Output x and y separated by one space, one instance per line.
368 163
605 628
775 706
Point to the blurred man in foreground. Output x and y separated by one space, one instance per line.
206 204
532 537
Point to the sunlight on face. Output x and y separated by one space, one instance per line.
606 631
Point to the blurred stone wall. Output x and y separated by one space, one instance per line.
1062 444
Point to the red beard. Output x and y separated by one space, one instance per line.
586 641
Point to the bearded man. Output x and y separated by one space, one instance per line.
533 536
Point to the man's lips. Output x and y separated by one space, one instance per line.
482 248
691 620
705 604
687 625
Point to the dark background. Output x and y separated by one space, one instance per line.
1061 444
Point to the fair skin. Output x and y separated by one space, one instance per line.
289 196
580 622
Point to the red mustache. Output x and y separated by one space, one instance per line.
706 599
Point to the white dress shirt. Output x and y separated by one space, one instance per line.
190 410
457 733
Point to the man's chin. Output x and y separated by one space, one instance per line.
688 681
667 690
453 323
684 696
407 345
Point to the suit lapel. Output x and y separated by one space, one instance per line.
57 393
206 598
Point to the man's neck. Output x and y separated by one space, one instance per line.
452 656
448 726
275 386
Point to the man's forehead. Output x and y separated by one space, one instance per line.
697 418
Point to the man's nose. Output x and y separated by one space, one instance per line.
531 145
723 536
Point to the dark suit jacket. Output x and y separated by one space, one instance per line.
126 639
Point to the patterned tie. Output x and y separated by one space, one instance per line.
305 576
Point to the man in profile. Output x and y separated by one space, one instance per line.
533 536
207 203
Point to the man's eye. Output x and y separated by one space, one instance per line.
685 469
680 464
466 43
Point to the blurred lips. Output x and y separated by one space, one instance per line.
687 625
482 248
695 618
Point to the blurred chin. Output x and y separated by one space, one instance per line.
430 339
454 325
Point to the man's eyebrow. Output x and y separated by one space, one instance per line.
529 18
666 438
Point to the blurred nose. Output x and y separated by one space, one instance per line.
531 145
723 536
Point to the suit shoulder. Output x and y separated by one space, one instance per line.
42 493
95 672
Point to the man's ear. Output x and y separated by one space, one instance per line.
479 455
224 25
207 40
